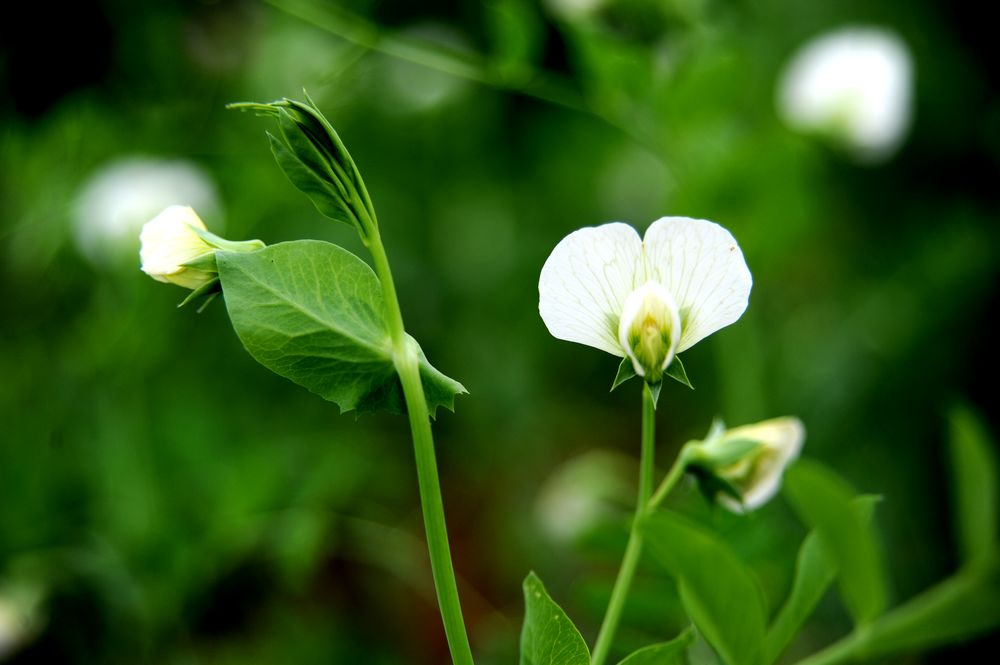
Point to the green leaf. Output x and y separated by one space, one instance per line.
718 591
321 192
962 606
313 313
665 653
974 472
814 573
675 370
625 372
548 636
823 501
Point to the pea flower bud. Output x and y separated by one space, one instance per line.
742 467
178 249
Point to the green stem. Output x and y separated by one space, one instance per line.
633 551
408 366
675 474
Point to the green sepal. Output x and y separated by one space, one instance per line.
721 456
711 485
675 370
204 262
208 290
654 391
548 636
625 372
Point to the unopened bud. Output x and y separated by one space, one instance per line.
178 249
745 464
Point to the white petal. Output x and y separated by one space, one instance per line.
783 438
700 263
584 283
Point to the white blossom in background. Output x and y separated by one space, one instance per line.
646 299
20 616
119 198
584 492
574 9
765 449
854 84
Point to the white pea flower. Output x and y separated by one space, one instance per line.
177 248
854 84
646 299
749 460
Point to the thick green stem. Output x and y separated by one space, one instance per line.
633 551
408 366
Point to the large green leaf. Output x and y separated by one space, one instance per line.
548 636
824 501
665 653
313 313
718 591
814 573
974 472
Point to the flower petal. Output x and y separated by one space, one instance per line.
701 264
584 283
782 438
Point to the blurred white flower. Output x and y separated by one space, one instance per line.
645 299
585 492
574 9
751 460
854 84
176 248
119 198
20 616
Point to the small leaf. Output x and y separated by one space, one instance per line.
974 472
548 636
823 501
317 162
814 573
675 370
313 313
665 653
718 591
322 193
625 372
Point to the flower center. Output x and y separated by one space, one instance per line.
649 330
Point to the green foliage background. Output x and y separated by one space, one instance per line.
174 502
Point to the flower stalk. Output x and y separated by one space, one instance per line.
645 502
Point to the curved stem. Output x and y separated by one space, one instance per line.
408 366
633 551
675 474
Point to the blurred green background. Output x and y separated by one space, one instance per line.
164 499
